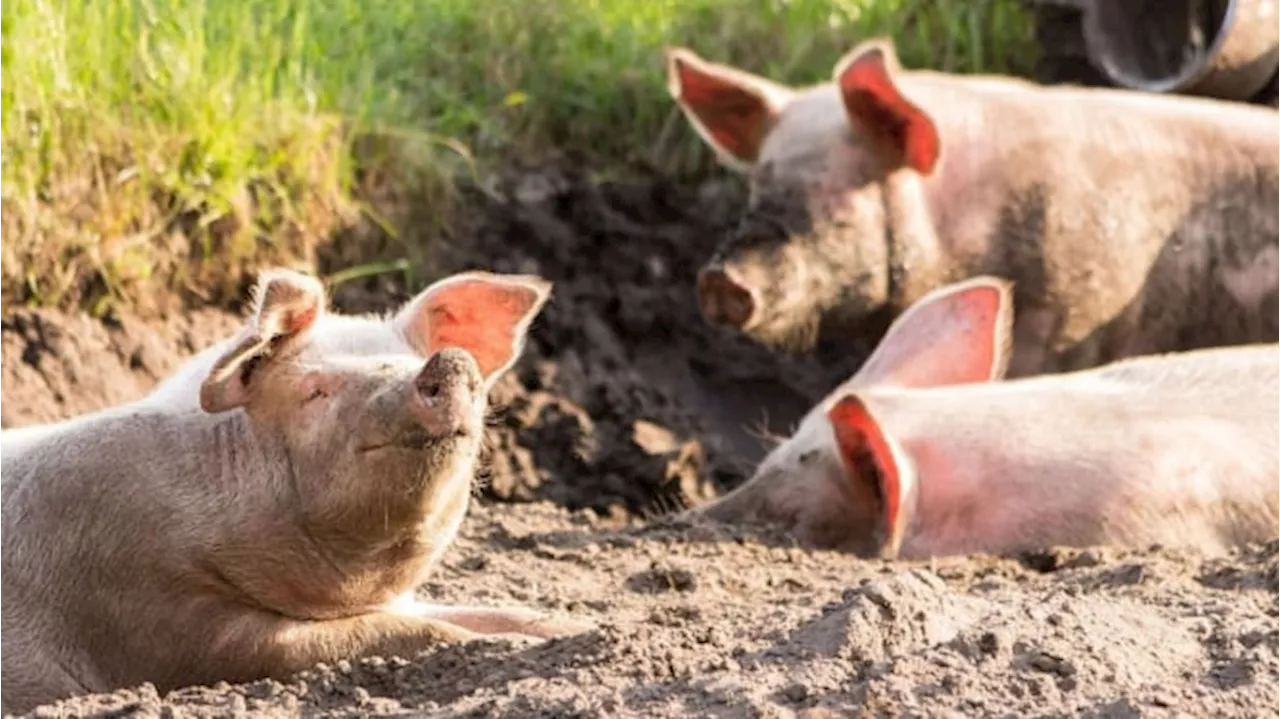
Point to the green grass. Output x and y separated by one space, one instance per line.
149 144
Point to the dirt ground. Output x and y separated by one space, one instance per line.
626 406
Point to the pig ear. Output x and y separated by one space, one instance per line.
286 305
867 456
956 334
732 110
873 101
486 314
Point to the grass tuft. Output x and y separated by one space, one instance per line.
154 147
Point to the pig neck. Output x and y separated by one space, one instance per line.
230 501
925 213
349 552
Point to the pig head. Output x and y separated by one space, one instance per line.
958 334
337 402
814 238
1131 223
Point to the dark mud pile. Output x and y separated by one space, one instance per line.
626 401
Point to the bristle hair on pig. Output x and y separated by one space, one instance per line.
272 506
927 452
1132 223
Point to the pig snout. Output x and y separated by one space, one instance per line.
725 298
445 393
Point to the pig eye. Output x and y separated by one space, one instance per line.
316 385
807 457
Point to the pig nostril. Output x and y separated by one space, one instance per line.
429 387
448 373
723 299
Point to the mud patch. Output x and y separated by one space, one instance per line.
627 401
57 366
761 630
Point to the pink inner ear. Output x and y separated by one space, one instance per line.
733 116
864 450
481 317
870 94
301 320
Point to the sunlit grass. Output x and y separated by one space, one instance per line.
185 141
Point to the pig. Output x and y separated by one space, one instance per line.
926 453
271 507
1131 223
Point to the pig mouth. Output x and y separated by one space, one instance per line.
419 441
794 333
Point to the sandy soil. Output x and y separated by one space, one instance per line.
627 406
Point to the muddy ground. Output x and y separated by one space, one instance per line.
627 405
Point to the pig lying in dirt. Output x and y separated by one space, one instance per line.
1132 223
278 514
920 454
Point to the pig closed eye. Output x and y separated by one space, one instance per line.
808 457
316 394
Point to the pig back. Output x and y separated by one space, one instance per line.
1177 449
1130 225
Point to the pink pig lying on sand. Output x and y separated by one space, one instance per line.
1131 223
921 454
271 506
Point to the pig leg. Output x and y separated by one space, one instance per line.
37 679
503 620
249 647
296 646
403 630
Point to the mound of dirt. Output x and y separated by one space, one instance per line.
629 400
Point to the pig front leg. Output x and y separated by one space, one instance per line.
297 646
501 620
247 648
33 678
403 629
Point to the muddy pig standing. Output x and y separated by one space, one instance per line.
281 518
922 454
1132 223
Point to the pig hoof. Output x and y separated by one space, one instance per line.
542 627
